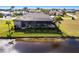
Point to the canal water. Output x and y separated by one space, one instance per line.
69 45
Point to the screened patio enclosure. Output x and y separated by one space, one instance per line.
37 24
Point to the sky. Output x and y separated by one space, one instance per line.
20 7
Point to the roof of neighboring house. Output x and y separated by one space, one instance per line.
5 12
35 17
70 10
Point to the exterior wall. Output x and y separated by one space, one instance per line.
17 24
27 24
37 24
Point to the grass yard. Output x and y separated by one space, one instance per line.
70 27
4 27
21 34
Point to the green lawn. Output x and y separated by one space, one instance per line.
4 27
70 27
21 34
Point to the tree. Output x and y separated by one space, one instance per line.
25 9
64 11
38 8
57 19
11 8
46 11
8 23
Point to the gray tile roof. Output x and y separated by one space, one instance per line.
35 17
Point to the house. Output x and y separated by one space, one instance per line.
70 10
34 20
52 12
6 14
34 11
56 12
60 12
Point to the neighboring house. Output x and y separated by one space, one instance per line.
6 14
34 11
24 12
60 12
34 20
70 10
18 13
54 12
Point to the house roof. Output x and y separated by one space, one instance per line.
35 17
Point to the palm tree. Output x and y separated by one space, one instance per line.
56 20
64 12
8 23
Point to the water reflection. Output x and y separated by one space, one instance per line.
5 47
33 47
69 45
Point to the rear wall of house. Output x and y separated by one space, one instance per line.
17 24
